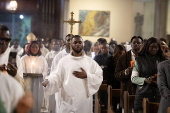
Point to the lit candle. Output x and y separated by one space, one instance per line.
32 67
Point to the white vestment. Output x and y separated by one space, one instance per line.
20 52
49 57
10 92
40 67
4 60
76 93
15 50
51 100
56 59
44 51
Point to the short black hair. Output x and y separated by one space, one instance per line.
136 37
101 40
69 36
4 28
77 36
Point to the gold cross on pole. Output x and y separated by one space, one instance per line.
72 22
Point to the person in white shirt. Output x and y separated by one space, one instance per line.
15 47
55 61
33 62
78 76
54 51
43 50
62 53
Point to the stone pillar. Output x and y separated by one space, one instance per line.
161 8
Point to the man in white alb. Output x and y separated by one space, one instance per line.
78 76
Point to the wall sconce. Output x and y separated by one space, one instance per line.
12 5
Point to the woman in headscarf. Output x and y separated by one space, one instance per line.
37 65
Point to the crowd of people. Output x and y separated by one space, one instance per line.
69 71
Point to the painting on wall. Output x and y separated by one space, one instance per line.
94 23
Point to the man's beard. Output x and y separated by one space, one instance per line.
77 51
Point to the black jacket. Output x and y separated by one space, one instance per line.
147 67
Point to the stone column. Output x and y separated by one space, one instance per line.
161 8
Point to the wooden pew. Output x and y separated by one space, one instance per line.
115 94
98 107
128 102
110 94
168 110
150 107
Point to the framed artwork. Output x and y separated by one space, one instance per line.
94 23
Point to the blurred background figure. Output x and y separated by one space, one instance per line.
25 48
95 50
16 46
87 47
112 45
55 48
30 37
43 50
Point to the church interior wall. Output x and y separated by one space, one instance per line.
168 19
122 13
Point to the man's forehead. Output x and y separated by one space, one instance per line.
4 34
77 39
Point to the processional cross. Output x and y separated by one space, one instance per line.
72 22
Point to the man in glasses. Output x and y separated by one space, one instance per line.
15 69
11 92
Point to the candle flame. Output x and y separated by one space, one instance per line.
32 63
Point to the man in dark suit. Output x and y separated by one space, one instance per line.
163 81
123 68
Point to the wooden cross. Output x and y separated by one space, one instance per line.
72 22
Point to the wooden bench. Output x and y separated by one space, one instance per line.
150 107
110 94
98 106
128 102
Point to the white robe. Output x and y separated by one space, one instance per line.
44 51
4 60
10 92
56 59
41 67
51 100
76 93
20 52
49 57
15 50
